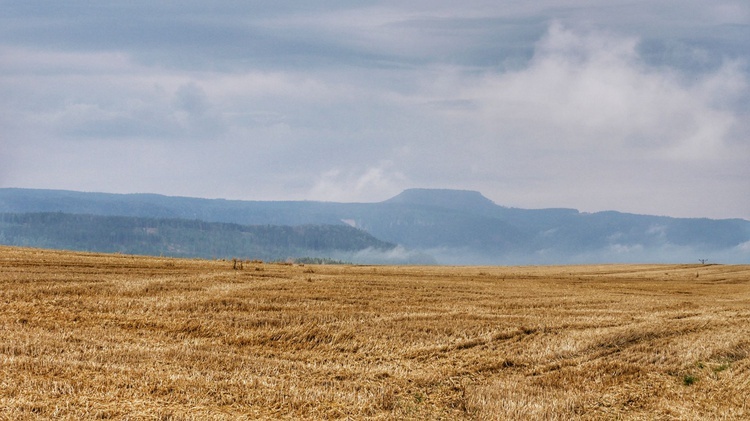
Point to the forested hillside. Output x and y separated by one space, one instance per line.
178 237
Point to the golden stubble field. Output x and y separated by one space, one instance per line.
91 336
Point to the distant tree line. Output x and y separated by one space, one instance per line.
179 237
319 261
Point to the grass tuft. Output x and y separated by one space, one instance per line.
689 379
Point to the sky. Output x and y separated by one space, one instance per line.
635 106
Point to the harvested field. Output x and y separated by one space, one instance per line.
92 336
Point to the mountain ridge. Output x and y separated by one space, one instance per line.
454 226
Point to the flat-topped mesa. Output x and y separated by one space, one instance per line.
465 200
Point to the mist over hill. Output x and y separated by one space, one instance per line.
186 238
451 226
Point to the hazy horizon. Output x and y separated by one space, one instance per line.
426 226
633 106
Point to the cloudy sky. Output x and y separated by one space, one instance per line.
637 106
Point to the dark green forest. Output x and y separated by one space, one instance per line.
180 237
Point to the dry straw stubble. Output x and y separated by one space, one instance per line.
124 337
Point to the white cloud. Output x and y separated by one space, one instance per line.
596 125
592 94
353 185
